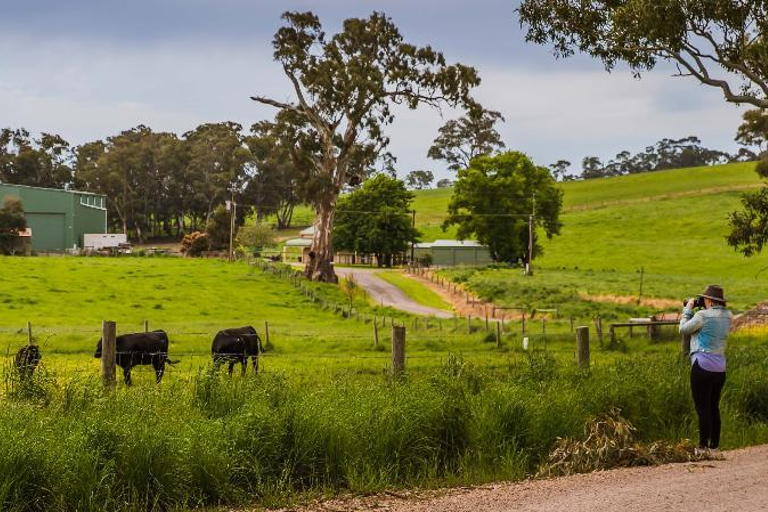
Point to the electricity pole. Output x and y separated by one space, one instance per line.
529 270
232 207
413 225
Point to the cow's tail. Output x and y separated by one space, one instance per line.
171 362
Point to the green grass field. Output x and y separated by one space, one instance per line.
672 224
324 416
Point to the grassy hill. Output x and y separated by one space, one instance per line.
670 223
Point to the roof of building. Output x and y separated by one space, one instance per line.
456 243
308 232
52 189
298 242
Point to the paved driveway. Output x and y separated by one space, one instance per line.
388 294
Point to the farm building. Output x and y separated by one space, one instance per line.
451 253
58 219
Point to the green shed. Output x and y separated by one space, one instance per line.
451 253
58 219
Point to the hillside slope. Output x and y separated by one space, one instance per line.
672 224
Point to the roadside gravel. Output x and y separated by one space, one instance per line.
738 482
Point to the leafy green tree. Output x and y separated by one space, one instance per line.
376 219
255 238
218 227
749 226
461 140
346 87
754 130
43 162
592 167
720 43
494 198
560 169
444 183
419 180
216 164
12 220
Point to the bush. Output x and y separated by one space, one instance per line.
194 244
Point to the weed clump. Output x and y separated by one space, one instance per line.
610 441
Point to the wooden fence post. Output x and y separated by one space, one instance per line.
469 324
486 320
685 347
523 323
375 334
582 347
146 325
29 333
398 350
266 334
108 354
571 323
498 335
599 326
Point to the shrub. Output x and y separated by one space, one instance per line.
194 244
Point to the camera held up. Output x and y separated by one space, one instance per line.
698 302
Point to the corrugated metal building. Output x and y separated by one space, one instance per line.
451 253
58 219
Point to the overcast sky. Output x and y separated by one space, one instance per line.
88 69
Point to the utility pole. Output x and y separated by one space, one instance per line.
232 207
413 225
529 270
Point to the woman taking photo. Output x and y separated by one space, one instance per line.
708 328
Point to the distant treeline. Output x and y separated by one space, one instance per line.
159 183
665 154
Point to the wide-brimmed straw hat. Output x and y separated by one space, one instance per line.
714 292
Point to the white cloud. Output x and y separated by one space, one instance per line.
87 91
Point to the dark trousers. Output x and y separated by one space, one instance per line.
706 388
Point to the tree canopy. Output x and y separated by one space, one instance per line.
495 196
12 220
419 180
345 89
42 162
461 140
720 43
376 219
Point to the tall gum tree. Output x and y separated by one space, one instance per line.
720 43
345 88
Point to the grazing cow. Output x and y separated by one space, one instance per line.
26 360
141 348
236 345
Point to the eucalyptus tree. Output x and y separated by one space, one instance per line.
38 162
721 43
216 160
461 140
345 89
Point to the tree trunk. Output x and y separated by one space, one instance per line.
320 265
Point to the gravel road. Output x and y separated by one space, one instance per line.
388 294
738 482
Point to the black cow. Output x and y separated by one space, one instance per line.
236 345
26 360
141 348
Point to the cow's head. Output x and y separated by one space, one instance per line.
97 355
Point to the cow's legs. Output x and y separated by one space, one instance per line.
127 375
231 366
243 365
159 369
255 363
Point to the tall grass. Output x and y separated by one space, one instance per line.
215 440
